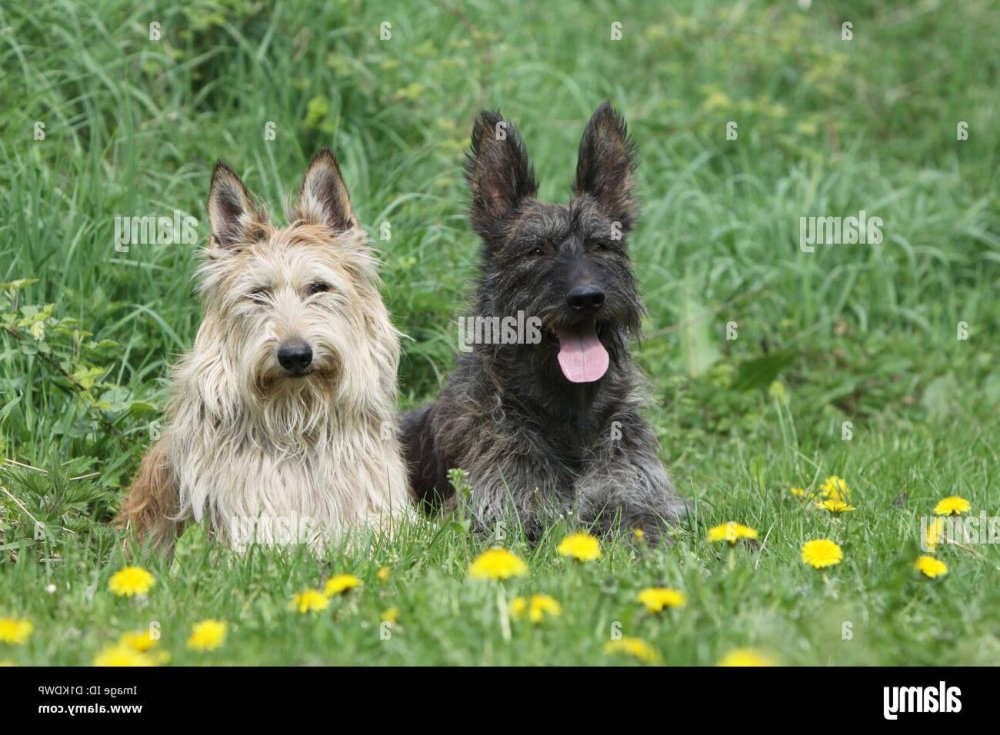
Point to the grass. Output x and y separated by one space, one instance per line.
862 334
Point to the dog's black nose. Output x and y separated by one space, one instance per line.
295 356
585 299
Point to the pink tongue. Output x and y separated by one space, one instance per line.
582 357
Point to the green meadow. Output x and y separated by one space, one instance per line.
770 366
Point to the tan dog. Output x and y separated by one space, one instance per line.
281 423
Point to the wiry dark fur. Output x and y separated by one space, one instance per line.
533 442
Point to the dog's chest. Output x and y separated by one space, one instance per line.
269 497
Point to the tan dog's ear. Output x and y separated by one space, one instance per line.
235 218
323 198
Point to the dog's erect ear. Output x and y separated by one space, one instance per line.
234 216
499 173
605 165
323 198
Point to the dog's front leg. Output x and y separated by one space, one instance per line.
523 489
627 485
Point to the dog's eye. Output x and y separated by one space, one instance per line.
259 294
318 287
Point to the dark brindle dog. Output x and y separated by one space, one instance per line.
550 429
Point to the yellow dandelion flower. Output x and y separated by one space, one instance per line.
731 532
15 630
536 607
717 100
953 505
542 605
131 581
139 640
310 600
122 655
835 488
935 529
207 635
634 647
639 533
745 657
390 615
497 564
835 506
657 599
931 567
799 492
383 574
580 546
821 553
340 584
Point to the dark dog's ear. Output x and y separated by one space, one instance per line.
499 172
605 166
234 217
323 198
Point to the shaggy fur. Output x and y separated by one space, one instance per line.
265 443
535 444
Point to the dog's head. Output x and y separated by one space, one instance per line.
296 310
566 264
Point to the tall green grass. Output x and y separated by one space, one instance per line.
863 334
